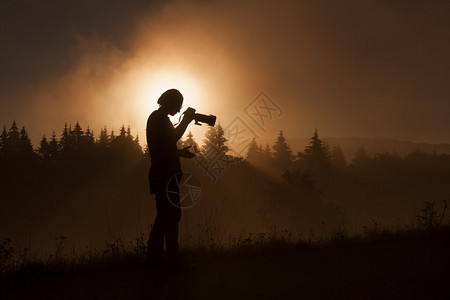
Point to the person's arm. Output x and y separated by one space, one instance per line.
181 128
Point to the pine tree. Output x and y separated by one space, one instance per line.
125 145
129 135
89 136
25 147
267 152
221 140
112 137
66 141
253 150
86 143
282 152
13 139
136 142
54 147
122 132
337 157
44 149
77 135
190 141
16 145
3 142
215 140
103 140
361 158
146 152
317 153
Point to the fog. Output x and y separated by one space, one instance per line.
370 69
350 68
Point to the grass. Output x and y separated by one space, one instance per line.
117 254
382 262
240 253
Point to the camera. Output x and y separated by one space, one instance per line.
210 120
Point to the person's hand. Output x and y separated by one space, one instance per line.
189 114
186 153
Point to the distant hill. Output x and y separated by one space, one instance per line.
349 145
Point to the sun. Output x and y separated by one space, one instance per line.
152 85
147 85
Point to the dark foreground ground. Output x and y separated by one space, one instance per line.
406 269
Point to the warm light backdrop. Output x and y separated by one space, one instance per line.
350 68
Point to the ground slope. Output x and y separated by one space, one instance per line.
406 269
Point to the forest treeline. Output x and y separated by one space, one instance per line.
82 178
78 147
60 164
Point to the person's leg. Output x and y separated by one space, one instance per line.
172 220
155 243
171 236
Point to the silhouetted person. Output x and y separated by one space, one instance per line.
165 173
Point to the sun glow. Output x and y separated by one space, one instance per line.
147 86
153 85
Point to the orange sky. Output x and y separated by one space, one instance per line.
349 68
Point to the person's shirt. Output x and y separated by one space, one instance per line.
161 141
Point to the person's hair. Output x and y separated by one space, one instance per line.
171 96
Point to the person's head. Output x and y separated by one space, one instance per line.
171 101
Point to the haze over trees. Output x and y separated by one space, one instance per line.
94 187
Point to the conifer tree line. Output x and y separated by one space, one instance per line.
80 170
16 145
318 155
16 149
72 160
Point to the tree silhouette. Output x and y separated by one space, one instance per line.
124 147
253 151
16 145
25 146
190 141
215 138
337 157
282 153
44 149
54 147
3 142
267 153
66 141
316 154
89 136
112 137
77 135
13 139
114 168
103 140
136 142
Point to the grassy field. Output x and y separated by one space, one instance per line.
398 265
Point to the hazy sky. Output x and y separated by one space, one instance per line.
349 68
